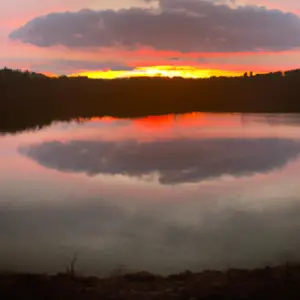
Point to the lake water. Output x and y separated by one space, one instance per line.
162 194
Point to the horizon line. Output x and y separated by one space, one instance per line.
164 71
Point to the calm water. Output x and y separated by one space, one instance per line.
162 194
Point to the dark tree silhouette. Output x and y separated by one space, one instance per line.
30 100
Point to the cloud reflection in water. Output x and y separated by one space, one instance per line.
175 161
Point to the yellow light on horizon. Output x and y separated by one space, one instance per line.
158 71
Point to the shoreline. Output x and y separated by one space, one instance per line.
281 282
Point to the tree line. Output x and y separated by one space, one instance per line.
31 100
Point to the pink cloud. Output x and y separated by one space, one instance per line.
15 54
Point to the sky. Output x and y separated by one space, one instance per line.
84 36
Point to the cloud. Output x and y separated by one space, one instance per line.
63 66
175 161
60 66
183 25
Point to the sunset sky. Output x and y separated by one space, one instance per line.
75 36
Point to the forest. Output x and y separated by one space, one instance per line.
30 100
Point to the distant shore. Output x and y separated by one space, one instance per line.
282 282
30 100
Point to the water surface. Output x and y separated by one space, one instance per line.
162 194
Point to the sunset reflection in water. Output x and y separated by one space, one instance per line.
171 186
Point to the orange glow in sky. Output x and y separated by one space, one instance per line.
163 71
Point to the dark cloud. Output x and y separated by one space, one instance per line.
91 65
71 66
175 161
183 25
62 66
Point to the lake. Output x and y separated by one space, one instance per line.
162 194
